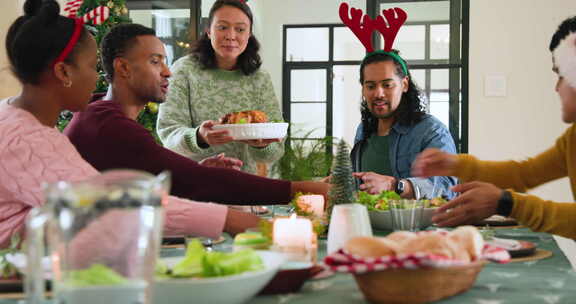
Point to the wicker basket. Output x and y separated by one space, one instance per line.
417 285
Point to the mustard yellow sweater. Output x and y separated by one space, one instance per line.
518 176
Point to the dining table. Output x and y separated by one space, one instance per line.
550 280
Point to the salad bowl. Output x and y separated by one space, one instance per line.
232 289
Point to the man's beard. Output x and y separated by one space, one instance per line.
383 116
154 99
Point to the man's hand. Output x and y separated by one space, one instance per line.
221 161
213 137
434 162
375 183
478 201
260 143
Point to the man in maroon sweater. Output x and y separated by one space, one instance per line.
107 135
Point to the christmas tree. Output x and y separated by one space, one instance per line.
118 14
343 187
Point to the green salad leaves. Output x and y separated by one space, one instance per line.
200 263
377 202
97 274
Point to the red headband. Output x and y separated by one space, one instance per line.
78 25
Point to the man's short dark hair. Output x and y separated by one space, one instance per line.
567 27
118 41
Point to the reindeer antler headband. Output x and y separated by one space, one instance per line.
362 26
96 16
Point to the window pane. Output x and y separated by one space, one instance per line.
440 41
206 6
307 44
410 41
308 85
346 45
347 95
419 77
422 11
171 27
439 79
439 106
308 118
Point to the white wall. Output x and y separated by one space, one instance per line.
511 38
9 86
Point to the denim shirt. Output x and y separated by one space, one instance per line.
406 142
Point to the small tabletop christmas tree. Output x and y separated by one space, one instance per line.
343 186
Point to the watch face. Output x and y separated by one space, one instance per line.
400 187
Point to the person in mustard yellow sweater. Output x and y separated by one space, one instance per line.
483 194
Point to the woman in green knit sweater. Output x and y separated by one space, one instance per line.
220 76
482 195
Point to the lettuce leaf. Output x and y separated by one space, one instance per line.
199 263
191 265
97 274
216 264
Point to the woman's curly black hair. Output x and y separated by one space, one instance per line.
248 62
410 110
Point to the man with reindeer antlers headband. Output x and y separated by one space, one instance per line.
483 194
395 126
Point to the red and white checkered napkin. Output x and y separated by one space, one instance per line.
342 261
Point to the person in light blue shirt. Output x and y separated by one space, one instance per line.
395 128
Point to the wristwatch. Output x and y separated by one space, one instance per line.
400 186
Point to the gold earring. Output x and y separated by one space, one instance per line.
67 84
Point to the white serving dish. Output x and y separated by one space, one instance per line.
255 130
382 220
234 289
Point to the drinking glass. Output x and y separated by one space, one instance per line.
347 221
103 238
406 214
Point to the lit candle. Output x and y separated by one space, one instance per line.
293 233
312 202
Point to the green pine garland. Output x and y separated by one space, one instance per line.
343 189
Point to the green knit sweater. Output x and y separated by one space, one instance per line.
197 95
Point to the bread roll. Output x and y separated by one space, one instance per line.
470 239
401 236
369 247
437 244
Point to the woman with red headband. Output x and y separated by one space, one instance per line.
54 57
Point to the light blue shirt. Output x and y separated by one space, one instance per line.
406 142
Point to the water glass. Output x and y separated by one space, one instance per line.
347 221
406 214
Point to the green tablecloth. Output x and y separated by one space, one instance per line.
548 281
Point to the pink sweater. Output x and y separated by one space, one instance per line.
32 154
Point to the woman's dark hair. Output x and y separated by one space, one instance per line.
248 62
409 111
36 39
566 27
118 41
